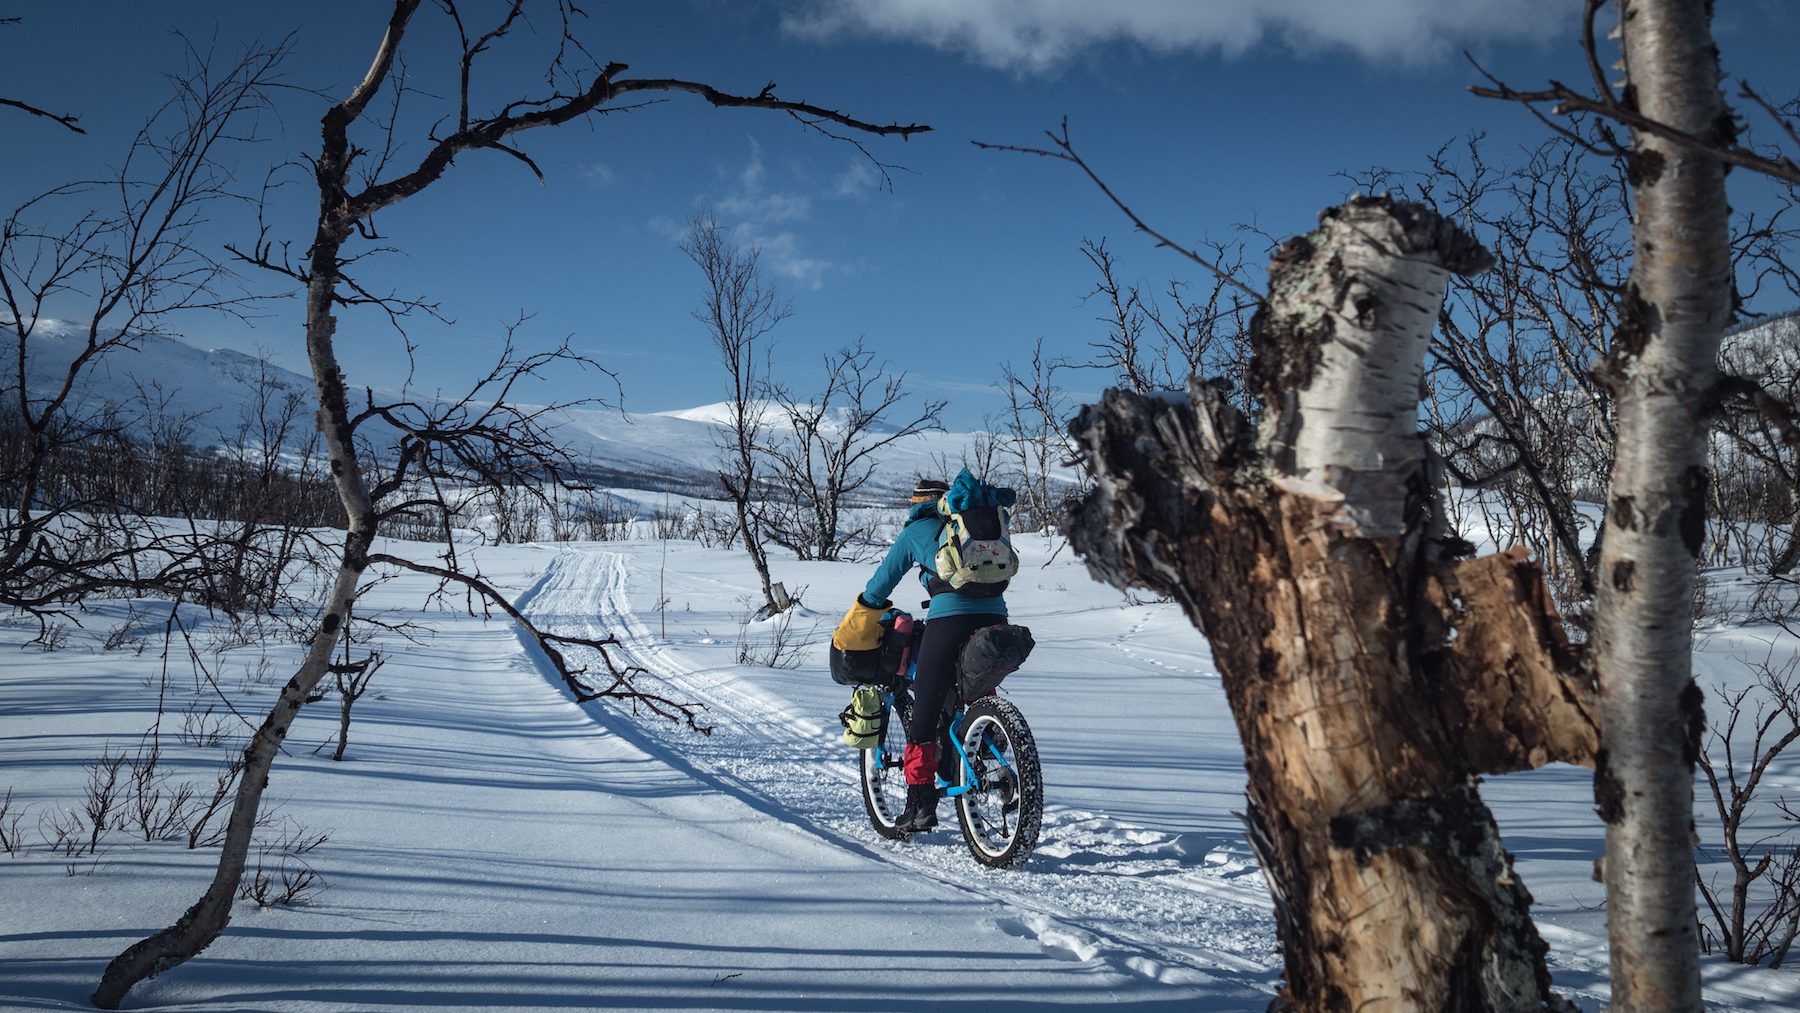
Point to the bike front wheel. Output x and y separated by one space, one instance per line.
884 774
1002 809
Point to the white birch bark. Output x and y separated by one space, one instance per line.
1664 364
1351 429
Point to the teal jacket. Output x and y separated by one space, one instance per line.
917 546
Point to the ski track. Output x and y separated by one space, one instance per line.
1096 889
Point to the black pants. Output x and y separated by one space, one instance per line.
936 678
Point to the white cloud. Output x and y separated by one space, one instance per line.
765 207
784 253
1038 35
599 173
771 209
751 178
751 201
858 179
766 218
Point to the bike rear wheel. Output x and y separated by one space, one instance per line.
884 775
1003 810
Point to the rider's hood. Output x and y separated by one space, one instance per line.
920 511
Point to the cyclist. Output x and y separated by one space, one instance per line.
953 617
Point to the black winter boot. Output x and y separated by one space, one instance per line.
920 813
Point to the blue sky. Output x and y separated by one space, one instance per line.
1202 114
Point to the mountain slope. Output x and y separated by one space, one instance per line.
655 451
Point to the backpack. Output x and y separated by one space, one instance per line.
975 556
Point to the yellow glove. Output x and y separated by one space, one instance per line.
861 628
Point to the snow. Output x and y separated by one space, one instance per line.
769 414
212 387
495 845
658 450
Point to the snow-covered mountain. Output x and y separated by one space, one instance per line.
662 450
685 440
213 387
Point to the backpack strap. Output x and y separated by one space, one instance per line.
936 585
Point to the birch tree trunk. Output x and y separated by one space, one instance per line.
738 488
1372 675
1665 374
201 924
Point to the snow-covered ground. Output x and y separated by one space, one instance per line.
494 845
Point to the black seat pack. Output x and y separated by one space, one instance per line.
992 654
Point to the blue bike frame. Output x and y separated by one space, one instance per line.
949 790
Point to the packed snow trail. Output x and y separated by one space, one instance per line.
492 848
1141 869
1099 889
494 845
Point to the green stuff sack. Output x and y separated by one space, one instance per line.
862 719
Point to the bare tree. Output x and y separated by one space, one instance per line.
1035 436
1150 345
516 510
1664 377
824 453
1760 465
982 454
1750 928
352 678
127 253
479 434
270 462
1122 352
739 310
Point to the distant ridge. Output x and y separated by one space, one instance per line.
670 450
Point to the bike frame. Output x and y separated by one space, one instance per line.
949 790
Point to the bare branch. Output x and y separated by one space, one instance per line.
1563 100
1065 152
560 108
622 685
67 121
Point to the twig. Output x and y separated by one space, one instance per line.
1066 153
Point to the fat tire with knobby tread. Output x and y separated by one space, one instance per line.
877 784
1024 760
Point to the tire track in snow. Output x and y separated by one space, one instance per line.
1097 889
